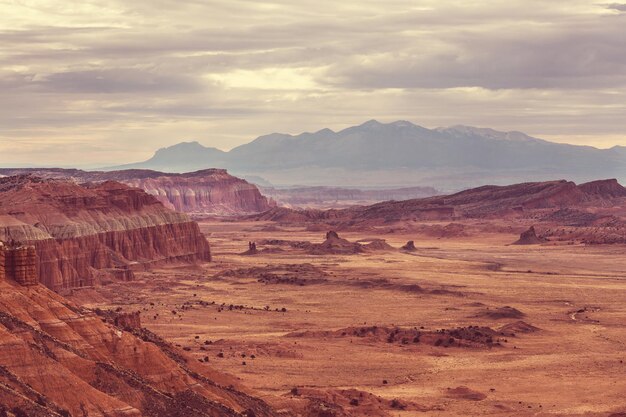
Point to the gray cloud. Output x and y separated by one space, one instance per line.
118 80
617 6
143 74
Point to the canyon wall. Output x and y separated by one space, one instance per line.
206 192
211 191
77 230
18 264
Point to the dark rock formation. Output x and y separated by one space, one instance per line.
128 321
470 336
464 393
376 245
518 327
409 246
332 235
252 250
334 245
529 237
76 230
505 312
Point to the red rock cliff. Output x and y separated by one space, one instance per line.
209 191
79 229
18 263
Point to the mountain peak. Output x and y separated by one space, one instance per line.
455 157
186 145
402 123
485 132
371 123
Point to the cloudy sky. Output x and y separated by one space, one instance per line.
109 81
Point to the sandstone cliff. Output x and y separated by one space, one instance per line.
206 192
77 230
18 263
59 360
212 191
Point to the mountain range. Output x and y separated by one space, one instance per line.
401 153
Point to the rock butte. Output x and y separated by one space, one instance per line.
529 237
79 232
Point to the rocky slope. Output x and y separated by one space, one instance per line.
497 201
598 204
210 191
59 360
79 230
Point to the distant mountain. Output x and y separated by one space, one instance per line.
400 154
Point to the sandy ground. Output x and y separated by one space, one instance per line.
575 365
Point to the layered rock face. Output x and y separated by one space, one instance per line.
58 360
18 264
211 191
206 192
77 230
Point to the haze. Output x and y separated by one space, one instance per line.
95 83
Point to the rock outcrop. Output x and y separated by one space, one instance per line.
529 237
409 246
18 263
57 359
334 245
76 230
206 192
252 250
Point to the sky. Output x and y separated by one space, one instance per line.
106 82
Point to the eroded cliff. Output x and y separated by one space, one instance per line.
77 230
206 192
211 191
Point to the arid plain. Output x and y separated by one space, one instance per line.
462 325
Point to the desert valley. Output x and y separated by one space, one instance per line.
270 208
499 300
